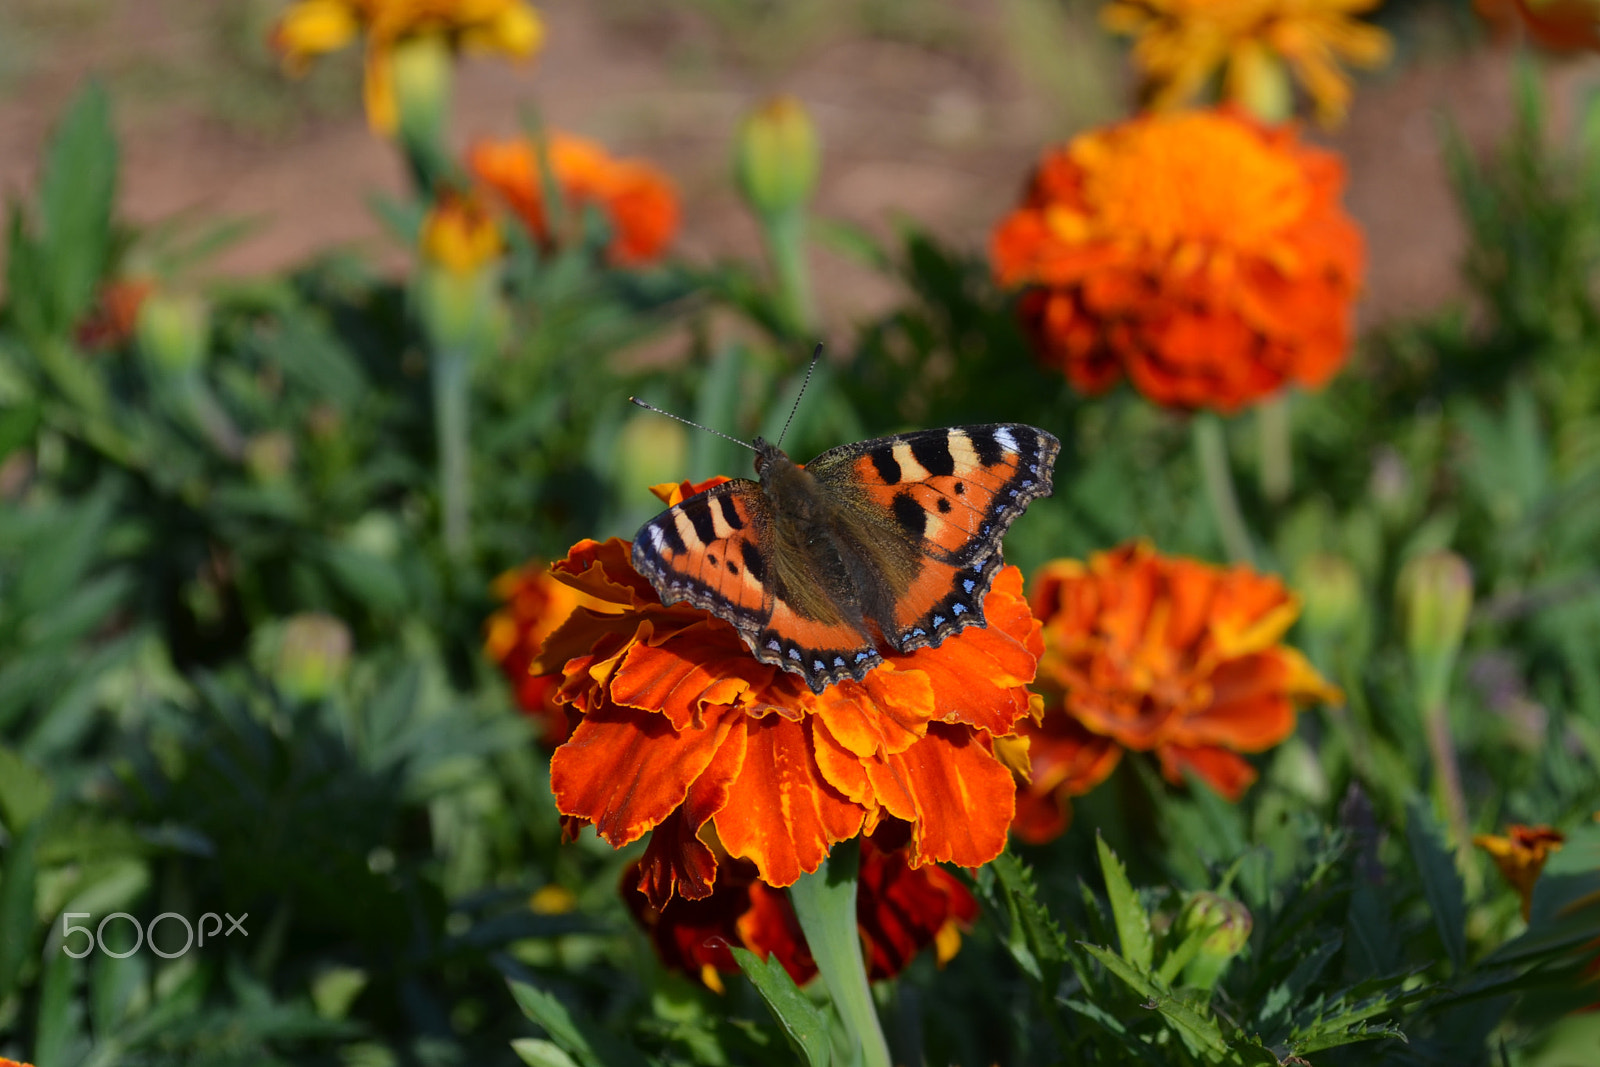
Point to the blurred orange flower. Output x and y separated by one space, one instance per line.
1521 856
1202 254
1067 761
459 233
900 910
311 28
1560 25
111 323
637 198
534 605
1181 43
1173 656
684 733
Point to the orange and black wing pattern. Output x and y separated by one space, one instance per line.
951 494
714 550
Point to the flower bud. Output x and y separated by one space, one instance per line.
1436 593
778 156
268 456
1226 925
1330 593
174 332
458 288
313 655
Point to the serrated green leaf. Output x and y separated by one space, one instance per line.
1034 939
591 1045
803 1023
1198 1030
76 190
1441 882
1133 925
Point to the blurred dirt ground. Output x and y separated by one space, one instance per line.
929 111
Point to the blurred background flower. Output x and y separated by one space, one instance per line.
1202 255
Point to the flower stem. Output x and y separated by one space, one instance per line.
825 901
451 380
785 233
1277 447
1211 452
1447 789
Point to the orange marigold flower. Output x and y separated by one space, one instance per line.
1181 43
683 732
12 1063
900 910
311 28
534 605
1173 656
1067 761
636 197
1521 855
1203 255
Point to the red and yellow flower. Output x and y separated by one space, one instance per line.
1521 856
1203 255
685 735
637 198
116 313
1182 43
459 233
311 28
534 605
1173 656
900 910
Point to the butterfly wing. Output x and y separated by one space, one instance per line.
944 498
715 550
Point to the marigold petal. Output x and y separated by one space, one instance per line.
788 815
312 28
626 770
682 677
676 861
1228 774
964 797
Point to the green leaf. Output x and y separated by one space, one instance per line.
803 1022
1034 940
1133 925
1198 1030
591 1045
541 1053
17 924
76 190
1441 882
25 791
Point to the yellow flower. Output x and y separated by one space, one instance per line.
1521 855
460 234
313 27
1180 43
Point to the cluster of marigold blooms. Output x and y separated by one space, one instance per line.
664 723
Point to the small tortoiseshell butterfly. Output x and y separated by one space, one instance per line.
890 541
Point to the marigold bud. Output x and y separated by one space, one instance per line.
1227 925
778 157
1330 593
1436 592
174 331
313 655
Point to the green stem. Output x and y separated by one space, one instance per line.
785 234
1447 789
825 901
451 380
1277 447
1211 452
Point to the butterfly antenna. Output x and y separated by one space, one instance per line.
686 422
809 368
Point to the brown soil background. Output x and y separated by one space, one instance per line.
931 111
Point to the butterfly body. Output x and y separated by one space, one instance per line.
891 542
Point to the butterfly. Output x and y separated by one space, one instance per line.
890 542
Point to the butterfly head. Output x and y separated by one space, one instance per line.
771 461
